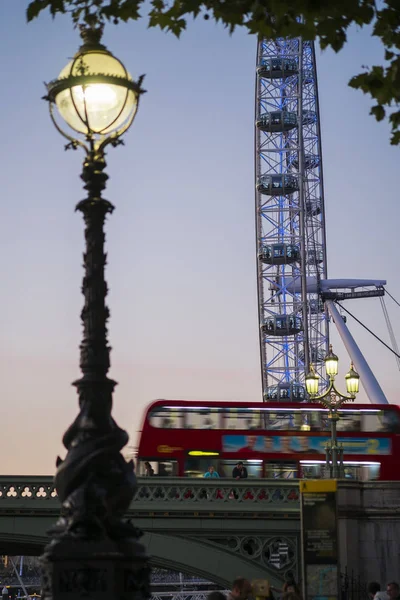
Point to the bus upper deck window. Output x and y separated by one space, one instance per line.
202 419
282 420
349 421
381 420
166 418
242 419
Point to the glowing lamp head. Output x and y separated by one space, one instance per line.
94 94
312 382
331 363
352 381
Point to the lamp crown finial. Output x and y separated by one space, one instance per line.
91 34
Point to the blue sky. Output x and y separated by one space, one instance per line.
181 241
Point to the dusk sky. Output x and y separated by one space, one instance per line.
181 242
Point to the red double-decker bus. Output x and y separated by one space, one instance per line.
274 440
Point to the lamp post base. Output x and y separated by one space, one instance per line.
95 569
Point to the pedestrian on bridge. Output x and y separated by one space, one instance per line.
393 590
375 593
241 589
240 471
211 472
148 469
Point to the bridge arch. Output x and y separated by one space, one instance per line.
168 552
197 558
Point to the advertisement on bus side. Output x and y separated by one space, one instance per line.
296 444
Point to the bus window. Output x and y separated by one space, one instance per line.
230 420
254 420
281 420
164 468
349 421
307 420
357 471
166 418
242 419
383 420
280 470
390 421
315 471
317 420
196 466
325 424
361 472
202 419
254 468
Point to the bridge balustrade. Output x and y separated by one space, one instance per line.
170 493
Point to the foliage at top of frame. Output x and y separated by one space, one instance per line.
322 20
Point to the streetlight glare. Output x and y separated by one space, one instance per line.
98 107
312 382
102 106
331 363
352 381
333 400
94 94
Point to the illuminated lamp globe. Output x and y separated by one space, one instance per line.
94 93
352 381
331 363
312 382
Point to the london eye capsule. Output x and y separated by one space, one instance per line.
282 325
279 254
278 184
294 392
277 121
277 68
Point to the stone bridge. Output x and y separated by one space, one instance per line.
216 529
219 529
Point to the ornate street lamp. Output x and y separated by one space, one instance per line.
93 552
333 400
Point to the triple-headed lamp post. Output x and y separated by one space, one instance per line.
93 552
332 399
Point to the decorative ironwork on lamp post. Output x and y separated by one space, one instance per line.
333 400
93 551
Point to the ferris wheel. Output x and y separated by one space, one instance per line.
290 217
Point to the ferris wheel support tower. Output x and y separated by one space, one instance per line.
290 218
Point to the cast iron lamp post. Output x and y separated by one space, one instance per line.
93 552
333 400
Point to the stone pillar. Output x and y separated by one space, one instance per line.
369 529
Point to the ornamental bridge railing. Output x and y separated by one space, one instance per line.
171 494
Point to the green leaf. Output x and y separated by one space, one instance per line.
395 139
378 111
35 8
395 119
324 20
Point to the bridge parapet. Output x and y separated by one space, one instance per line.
161 492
